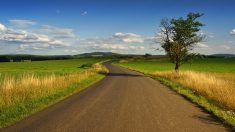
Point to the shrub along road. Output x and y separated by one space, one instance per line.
124 101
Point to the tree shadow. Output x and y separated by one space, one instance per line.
124 74
210 119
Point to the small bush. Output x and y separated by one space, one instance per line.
86 65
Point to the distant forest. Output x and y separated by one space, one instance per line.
108 55
17 58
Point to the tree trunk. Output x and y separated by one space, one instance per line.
177 66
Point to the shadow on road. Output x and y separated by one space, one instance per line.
124 74
210 119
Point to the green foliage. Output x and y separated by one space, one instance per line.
179 36
18 58
147 55
86 65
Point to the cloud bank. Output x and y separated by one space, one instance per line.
22 23
232 32
29 37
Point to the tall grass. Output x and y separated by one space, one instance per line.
219 88
27 87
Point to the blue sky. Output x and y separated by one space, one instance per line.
122 26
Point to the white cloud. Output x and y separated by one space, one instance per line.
22 36
137 47
133 40
37 48
225 47
71 51
201 45
58 32
119 42
22 23
108 47
116 47
123 39
2 27
206 34
153 40
30 47
26 38
124 35
49 39
232 32
128 37
84 13
23 46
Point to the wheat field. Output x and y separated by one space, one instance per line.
219 88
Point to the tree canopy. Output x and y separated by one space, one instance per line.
179 36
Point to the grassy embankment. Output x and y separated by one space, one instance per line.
27 87
209 82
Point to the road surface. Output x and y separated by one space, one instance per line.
124 101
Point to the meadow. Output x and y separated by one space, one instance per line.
45 67
217 65
27 87
209 82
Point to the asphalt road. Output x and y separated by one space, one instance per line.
124 101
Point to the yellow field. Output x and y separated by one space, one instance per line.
215 86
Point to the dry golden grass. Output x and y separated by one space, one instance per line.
217 87
29 86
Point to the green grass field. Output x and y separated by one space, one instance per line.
218 65
46 67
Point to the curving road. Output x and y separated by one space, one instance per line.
124 101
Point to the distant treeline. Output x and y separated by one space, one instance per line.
108 55
17 58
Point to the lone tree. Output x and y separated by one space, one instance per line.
179 36
147 55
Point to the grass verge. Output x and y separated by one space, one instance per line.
21 108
